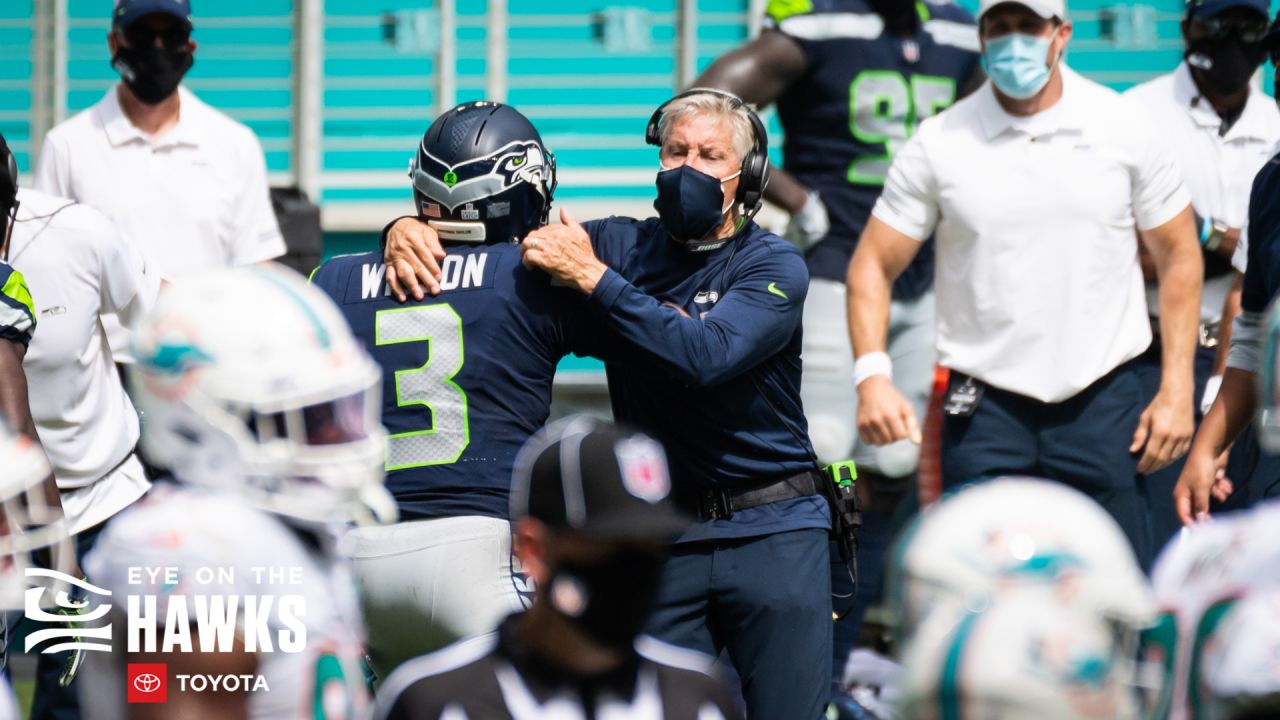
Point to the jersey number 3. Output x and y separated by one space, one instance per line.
430 386
884 109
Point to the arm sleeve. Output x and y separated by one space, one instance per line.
256 235
51 176
1246 342
755 318
128 288
1158 193
17 311
909 202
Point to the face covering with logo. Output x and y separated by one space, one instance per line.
152 73
1016 63
609 600
690 203
1226 65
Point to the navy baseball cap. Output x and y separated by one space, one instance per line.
596 479
1200 9
127 12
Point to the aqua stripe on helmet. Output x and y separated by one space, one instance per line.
949 684
322 333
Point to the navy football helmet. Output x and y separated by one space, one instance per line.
482 175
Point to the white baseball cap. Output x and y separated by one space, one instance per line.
1044 8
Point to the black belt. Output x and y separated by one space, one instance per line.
722 503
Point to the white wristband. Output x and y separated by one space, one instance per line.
871 364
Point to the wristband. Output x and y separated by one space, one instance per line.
1217 231
870 365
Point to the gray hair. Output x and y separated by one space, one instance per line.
706 103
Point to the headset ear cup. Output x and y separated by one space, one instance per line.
755 175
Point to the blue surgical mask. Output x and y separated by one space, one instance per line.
1016 63
691 205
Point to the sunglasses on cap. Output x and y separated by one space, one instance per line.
173 37
1221 28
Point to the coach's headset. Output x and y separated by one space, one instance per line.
755 164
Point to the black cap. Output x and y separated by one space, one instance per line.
597 479
126 12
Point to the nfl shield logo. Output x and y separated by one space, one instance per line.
644 468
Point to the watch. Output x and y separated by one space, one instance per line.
1216 230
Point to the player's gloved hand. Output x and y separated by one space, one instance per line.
413 255
810 224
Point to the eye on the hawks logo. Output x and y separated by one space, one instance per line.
644 468
148 683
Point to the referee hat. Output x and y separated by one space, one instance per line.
598 479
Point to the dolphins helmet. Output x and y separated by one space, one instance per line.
250 380
1017 533
482 175
1238 664
1017 658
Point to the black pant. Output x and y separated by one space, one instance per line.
1082 441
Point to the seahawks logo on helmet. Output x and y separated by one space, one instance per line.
475 180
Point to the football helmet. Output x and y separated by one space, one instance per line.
1017 658
1239 660
1017 533
482 175
249 379
1197 578
31 520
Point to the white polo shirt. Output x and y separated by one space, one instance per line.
1217 169
1038 286
194 198
79 267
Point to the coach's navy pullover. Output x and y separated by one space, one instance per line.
721 387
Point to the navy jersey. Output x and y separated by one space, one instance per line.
17 312
1262 274
719 388
862 95
466 375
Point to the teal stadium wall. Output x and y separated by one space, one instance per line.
590 101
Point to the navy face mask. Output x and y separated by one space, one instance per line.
691 205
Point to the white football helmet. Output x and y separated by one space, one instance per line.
1199 576
1017 659
1017 533
31 520
1239 660
250 379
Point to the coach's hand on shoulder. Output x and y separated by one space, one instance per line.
1164 430
413 255
564 252
884 415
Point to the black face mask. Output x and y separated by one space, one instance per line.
609 600
152 73
1225 66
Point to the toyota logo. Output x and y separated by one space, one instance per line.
147 683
